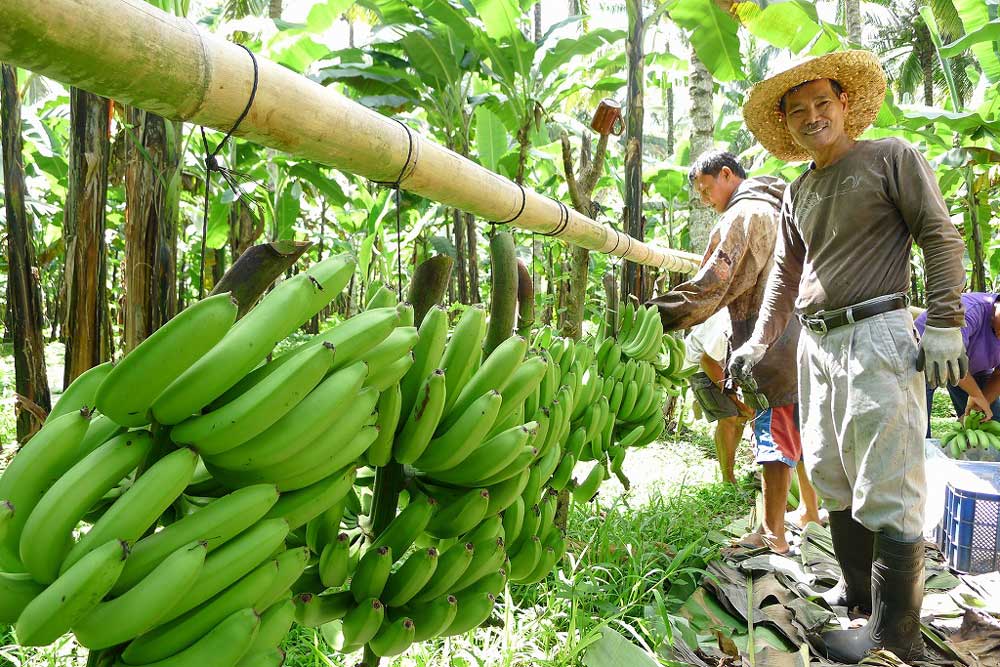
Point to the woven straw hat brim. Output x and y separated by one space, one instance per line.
858 72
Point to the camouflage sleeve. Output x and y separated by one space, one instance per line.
783 281
729 269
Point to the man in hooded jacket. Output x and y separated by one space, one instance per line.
733 274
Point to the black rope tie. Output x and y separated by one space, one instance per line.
231 177
524 201
563 221
395 185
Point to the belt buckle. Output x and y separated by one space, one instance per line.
815 324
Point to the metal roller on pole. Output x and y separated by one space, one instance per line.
130 51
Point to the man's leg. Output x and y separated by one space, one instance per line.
808 502
728 433
777 447
883 454
777 479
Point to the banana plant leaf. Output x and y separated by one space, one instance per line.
714 34
614 650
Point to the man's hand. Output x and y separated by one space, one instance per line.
744 359
941 356
979 403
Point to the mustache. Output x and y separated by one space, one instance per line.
811 127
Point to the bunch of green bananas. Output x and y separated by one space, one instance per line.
973 431
229 496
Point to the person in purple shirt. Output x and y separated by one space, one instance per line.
980 389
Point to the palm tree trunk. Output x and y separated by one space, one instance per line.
538 22
24 298
671 126
274 9
458 222
925 53
472 252
152 197
83 227
633 273
852 18
702 127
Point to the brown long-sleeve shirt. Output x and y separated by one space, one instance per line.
733 274
846 234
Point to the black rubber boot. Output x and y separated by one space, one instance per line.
897 593
854 546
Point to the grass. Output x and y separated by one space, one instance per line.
633 558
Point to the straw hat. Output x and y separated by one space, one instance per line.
858 72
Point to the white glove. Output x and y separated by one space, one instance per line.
941 356
744 359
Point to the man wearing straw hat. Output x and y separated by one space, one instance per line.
842 265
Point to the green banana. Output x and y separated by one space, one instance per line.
406 526
587 489
335 561
216 523
272 657
299 507
222 646
431 338
357 627
70 597
279 313
493 583
391 374
371 574
48 532
325 527
455 444
432 618
139 609
289 566
275 623
135 382
560 478
102 428
529 528
230 562
542 569
393 638
524 559
490 529
36 467
494 375
491 457
174 636
17 589
138 508
504 494
461 353
81 392
420 424
451 565
410 578
313 611
473 610
513 519
389 405
252 413
487 557
396 346
524 381
548 463
459 516
380 297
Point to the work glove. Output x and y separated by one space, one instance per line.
941 356
744 359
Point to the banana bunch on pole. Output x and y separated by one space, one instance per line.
188 504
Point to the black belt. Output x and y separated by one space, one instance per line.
823 322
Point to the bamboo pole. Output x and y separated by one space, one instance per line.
133 52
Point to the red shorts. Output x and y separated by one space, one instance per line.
776 435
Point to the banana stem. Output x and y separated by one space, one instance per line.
388 482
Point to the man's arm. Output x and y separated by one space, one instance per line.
992 389
914 189
783 282
728 271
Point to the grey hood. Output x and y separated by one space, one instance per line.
767 189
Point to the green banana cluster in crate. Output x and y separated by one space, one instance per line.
974 432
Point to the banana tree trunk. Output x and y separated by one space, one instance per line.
701 219
152 198
83 227
461 275
472 253
978 262
852 18
632 278
23 295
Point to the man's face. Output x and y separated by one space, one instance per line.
716 191
814 115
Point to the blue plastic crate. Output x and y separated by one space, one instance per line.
970 529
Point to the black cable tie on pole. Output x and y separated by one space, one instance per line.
563 221
395 185
212 164
524 201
